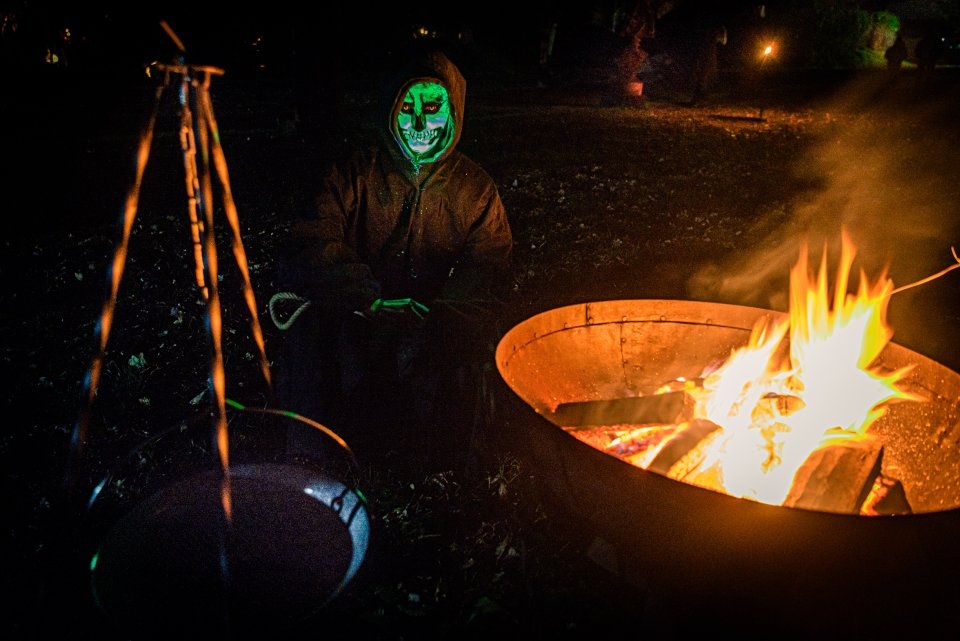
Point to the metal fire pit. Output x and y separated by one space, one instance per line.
725 560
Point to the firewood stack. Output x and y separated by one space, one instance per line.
659 432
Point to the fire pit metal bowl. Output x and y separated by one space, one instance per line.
701 553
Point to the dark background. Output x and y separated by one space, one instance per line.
653 199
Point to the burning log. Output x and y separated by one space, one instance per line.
658 433
669 408
684 451
886 497
837 477
627 440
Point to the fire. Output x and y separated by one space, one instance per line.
799 384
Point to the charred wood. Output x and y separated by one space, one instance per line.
886 497
669 408
684 451
837 477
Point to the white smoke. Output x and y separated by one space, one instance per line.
887 169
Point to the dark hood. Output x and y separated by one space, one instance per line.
424 66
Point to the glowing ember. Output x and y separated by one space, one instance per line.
800 384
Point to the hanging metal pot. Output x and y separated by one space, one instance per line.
177 545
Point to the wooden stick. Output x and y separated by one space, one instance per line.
669 408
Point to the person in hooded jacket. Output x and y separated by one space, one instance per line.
403 266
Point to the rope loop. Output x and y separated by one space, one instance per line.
281 324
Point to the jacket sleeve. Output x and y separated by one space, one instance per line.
320 265
480 279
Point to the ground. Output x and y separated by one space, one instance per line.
649 198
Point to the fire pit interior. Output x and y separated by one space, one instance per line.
704 550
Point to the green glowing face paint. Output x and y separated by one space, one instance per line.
423 119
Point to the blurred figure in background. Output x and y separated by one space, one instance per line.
895 55
640 23
706 63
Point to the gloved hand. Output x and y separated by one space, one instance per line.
397 311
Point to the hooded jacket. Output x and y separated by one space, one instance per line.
388 227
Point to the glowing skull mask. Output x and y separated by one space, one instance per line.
423 120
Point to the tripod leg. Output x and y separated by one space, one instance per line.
189 146
92 380
205 105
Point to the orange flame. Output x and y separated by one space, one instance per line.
778 402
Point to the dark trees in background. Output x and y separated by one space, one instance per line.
490 37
